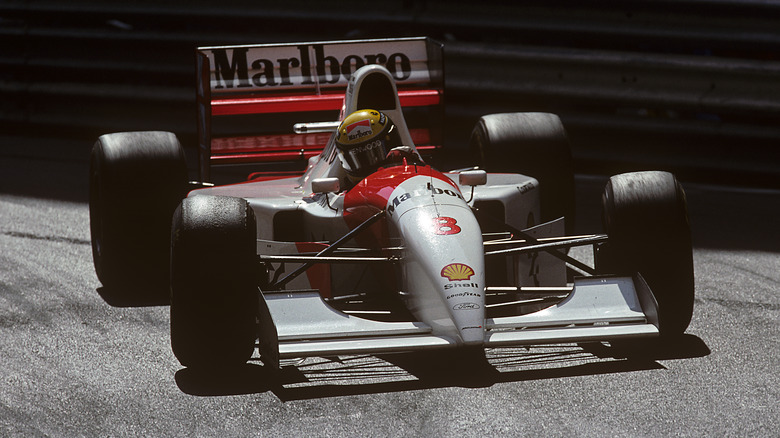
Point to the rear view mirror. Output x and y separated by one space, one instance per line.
325 185
472 178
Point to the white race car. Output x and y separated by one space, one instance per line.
369 249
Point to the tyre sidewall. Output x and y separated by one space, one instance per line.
645 217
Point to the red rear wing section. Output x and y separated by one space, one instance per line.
249 97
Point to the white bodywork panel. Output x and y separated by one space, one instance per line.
302 315
452 303
594 300
599 308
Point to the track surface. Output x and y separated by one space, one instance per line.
77 361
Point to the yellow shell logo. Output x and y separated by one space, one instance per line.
457 272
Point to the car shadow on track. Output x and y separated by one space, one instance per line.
685 347
134 297
315 378
250 378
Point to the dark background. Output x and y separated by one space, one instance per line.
689 86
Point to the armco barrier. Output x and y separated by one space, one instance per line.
686 85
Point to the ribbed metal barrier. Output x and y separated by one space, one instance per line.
684 85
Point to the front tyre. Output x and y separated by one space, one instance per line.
213 282
645 215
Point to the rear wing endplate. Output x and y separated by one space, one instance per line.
250 97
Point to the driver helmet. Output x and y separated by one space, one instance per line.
364 139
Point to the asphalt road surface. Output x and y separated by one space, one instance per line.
77 361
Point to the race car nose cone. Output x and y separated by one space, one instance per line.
464 294
444 259
472 335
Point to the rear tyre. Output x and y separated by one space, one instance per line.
533 144
136 181
213 282
645 215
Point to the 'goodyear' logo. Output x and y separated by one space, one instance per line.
457 272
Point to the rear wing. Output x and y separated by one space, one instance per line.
250 97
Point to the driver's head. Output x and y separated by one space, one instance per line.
363 140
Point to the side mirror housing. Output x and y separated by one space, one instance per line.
325 185
472 178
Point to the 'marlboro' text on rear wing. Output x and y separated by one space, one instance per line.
249 97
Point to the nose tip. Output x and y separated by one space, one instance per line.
473 335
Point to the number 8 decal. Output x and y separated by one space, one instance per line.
445 226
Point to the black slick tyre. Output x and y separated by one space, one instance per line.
136 181
645 215
533 144
213 282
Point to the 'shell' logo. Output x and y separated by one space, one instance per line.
457 272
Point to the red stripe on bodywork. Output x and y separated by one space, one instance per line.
375 189
322 102
290 142
372 194
272 175
319 274
284 156
281 142
264 156
286 147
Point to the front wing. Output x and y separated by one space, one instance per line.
600 308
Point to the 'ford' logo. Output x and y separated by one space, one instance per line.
465 306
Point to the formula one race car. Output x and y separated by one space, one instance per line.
367 248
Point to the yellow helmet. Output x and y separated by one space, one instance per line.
363 140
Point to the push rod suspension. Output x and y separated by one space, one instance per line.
332 247
551 248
